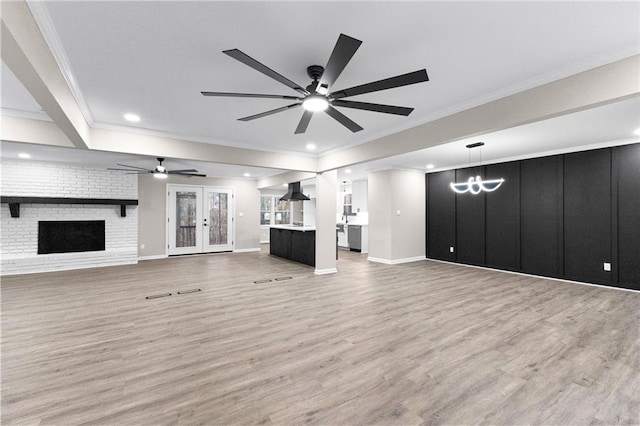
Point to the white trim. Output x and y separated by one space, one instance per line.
395 261
609 287
529 156
66 268
154 257
247 250
325 271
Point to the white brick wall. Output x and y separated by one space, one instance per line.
19 236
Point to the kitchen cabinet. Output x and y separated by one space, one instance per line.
294 243
359 198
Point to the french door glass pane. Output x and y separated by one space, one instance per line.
186 219
218 218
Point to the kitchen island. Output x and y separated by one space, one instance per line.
297 243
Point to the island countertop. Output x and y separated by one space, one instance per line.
294 228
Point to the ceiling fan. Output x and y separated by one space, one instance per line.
159 171
319 96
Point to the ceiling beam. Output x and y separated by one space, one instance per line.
599 86
284 178
159 146
28 130
27 54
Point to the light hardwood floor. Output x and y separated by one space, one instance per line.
419 343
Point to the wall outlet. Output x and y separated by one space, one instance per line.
397 212
142 246
451 249
607 266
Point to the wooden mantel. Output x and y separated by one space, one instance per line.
14 202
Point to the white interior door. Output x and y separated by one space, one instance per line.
200 219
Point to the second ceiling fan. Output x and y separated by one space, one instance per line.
318 96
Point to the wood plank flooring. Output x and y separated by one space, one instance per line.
419 343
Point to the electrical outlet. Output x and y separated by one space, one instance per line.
451 249
142 246
607 266
397 212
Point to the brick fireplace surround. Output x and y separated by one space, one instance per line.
19 236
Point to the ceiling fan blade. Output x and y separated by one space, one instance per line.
273 111
133 167
387 83
132 171
387 109
190 174
343 119
248 60
182 171
249 95
304 122
342 53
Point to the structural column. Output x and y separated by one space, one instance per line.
326 245
396 216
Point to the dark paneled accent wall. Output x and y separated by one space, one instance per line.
441 216
587 215
541 215
502 218
626 165
469 221
561 216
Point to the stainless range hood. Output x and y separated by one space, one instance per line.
294 193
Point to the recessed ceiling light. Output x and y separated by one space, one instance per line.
311 146
347 171
24 155
285 184
637 132
430 166
132 117
247 175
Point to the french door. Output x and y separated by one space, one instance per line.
200 219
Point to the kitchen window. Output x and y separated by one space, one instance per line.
273 211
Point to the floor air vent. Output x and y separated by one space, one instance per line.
156 296
195 290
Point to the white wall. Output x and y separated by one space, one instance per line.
393 237
19 239
152 227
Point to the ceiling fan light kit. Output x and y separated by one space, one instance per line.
318 96
315 103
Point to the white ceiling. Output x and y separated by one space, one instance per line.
154 58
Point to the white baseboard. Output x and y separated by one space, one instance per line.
609 287
154 257
247 250
396 261
325 271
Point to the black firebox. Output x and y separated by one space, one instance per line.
68 236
